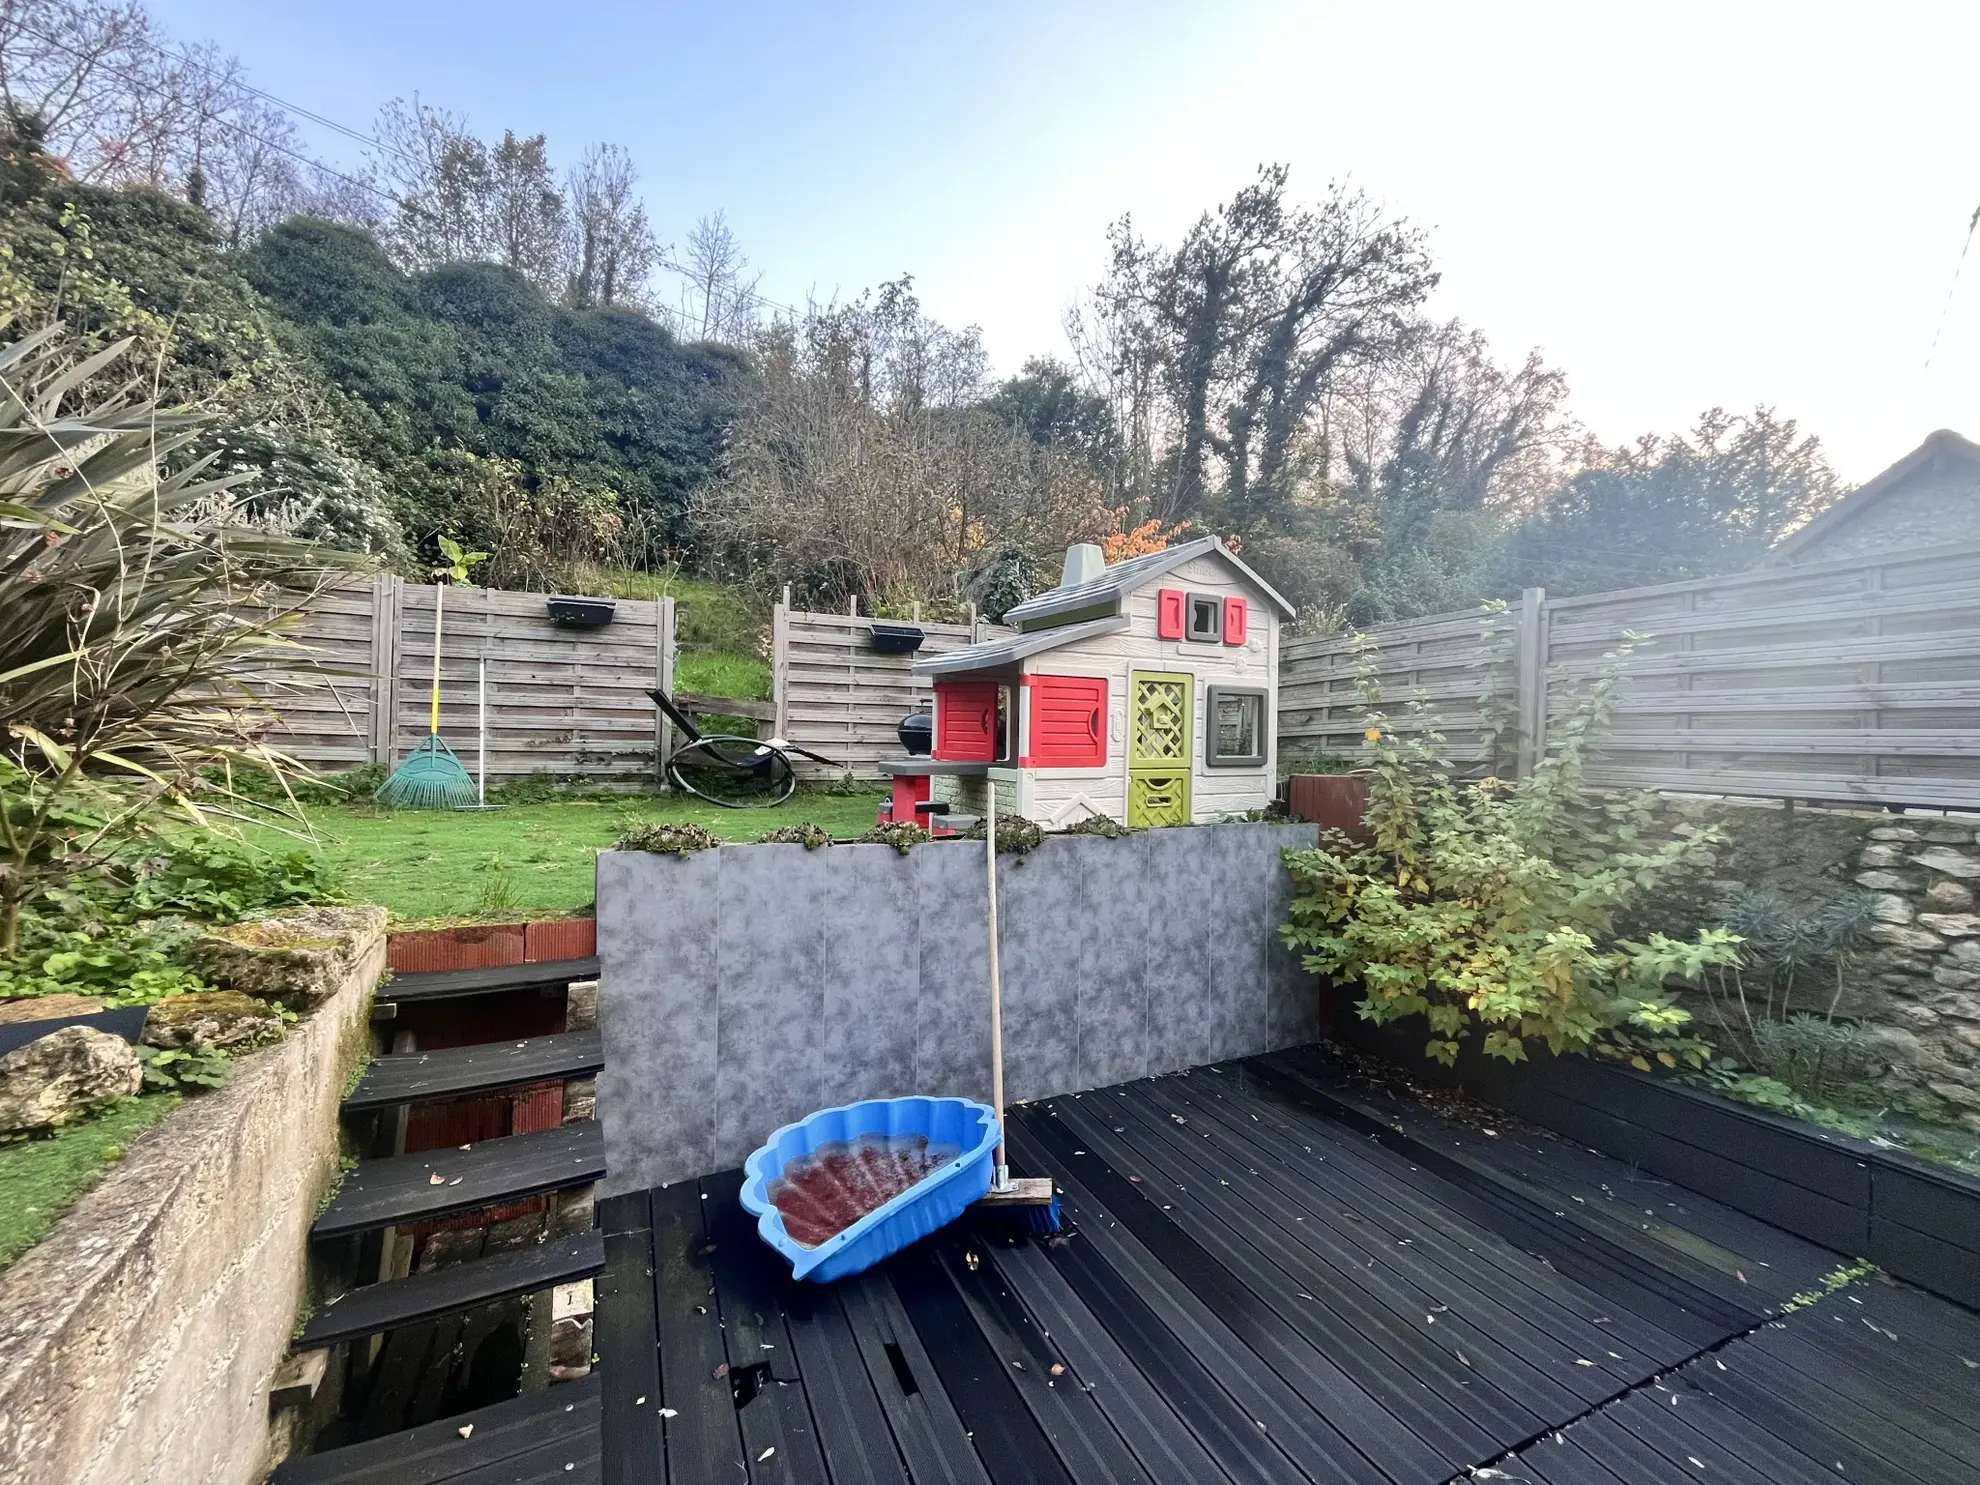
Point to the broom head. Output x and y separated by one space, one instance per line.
431 778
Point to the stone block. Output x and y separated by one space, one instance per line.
63 1076
581 1006
1893 832
1899 936
299 957
1880 856
1965 952
1956 1093
1965 981
1950 835
1888 907
224 1020
1876 881
1951 925
1948 896
1915 1017
1952 863
48 1007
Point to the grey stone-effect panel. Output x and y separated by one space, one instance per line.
658 919
1114 1019
749 986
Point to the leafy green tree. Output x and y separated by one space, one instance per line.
1687 506
134 264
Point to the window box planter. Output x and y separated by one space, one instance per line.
1918 1220
896 639
581 613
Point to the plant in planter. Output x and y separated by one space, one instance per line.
1491 908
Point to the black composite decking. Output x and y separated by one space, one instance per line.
485 1067
1268 1281
375 1308
438 1183
449 984
541 1438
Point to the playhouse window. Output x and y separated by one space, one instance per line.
973 721
1236 724
1206 617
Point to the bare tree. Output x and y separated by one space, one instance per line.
78 70
719 300
524 212
436 175
612 250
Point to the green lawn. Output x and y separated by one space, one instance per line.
722 634
529 860
41 1178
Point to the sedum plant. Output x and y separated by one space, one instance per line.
141 612
1491 907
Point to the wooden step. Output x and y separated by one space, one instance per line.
385 1193
408 1077
461 1286
541 1438
450 984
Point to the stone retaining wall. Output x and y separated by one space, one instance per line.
137 1341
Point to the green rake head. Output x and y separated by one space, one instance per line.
431 778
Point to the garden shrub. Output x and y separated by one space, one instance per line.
810 836
902 835
1490 907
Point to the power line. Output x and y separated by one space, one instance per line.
1945 309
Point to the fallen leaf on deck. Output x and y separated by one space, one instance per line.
465 1430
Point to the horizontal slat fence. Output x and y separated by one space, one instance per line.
839 697
568 700
1849 681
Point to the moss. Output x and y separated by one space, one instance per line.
902 835
1103 825
810 836
42 1178
275 933
668 840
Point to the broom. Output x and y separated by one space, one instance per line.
431 778
1026 1203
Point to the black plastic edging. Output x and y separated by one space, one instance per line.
1914 1220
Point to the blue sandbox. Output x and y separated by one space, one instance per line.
934 1201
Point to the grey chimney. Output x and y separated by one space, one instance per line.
1084 563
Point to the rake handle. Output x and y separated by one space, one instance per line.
439 601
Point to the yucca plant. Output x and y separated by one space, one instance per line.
140 610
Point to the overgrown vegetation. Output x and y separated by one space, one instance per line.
810 836
675 839
1491 908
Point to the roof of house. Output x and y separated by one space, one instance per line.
1014 647
1125 577
1860 500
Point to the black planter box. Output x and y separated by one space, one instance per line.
581 613
896 639
1918 1220
127 1023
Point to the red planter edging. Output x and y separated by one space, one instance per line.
563 938
488 945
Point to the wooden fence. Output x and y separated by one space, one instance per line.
568 700
1849 681
838 696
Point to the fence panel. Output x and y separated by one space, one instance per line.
1856 680
568 700
838 696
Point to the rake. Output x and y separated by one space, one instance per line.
431 778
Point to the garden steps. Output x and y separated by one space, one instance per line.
403 1188
377 1308
535 1439
449 984
454 1072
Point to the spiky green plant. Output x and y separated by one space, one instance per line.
141 616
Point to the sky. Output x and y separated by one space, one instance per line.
1681 205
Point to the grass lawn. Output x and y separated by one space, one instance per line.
534 860
722 633
41 1178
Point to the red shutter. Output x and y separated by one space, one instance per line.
966 721
1068 722
1234 615
1169 606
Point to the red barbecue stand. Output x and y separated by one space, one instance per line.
912 783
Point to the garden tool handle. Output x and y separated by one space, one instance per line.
439 599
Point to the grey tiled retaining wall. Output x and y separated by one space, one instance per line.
744 987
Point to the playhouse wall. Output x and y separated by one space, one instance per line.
745 987
1062 796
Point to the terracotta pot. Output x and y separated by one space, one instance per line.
1336 800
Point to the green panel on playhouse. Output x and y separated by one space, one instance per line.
1161 726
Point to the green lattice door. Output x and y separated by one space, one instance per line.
1161 724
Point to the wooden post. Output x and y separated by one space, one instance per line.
1530 678
384 639
780 668
975 630
663 670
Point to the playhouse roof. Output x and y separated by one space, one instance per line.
1125 577
1014 647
